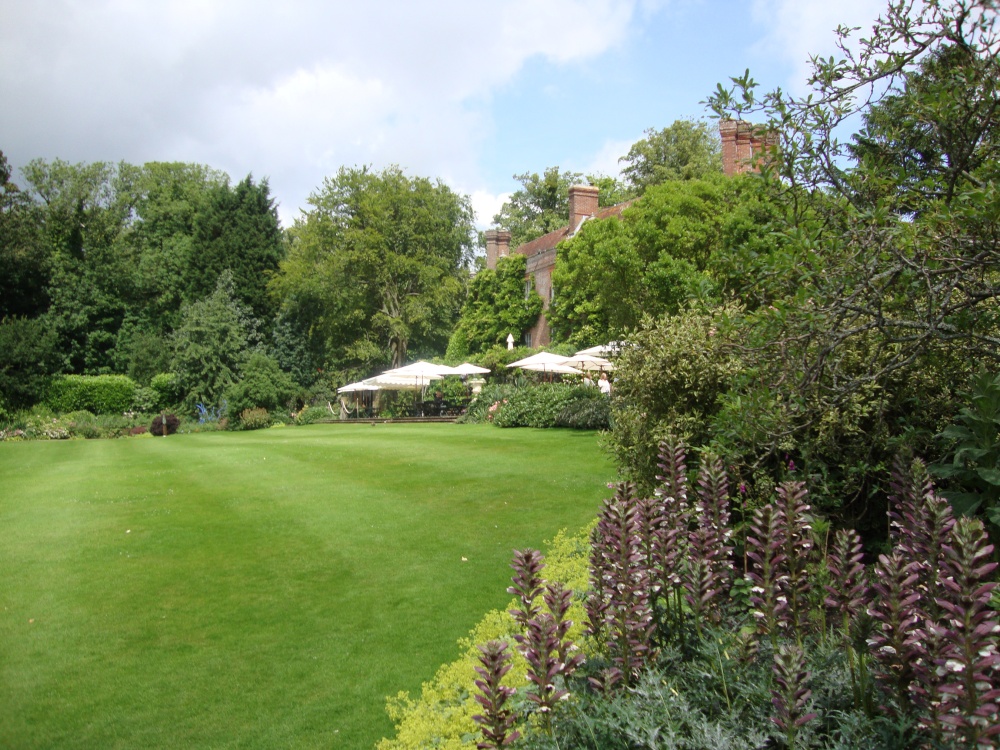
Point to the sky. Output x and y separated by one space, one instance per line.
471 92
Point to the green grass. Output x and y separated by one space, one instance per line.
263 589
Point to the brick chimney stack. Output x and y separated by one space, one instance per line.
742 145
582 204
497 246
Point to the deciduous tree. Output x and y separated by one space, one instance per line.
377 267
686 150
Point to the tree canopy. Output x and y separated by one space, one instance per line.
685 150
496 306
875 294
378 266
683 241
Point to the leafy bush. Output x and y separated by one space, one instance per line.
540 406
168 390
29 355
171 421
100 394
313 414
973 468
262 385
586 414
254 419
479 410
145 400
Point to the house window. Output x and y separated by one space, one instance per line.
527 339
527 288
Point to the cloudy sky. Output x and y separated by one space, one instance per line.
469 91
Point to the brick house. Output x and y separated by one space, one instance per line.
541 252
741 142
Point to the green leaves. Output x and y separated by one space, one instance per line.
376 266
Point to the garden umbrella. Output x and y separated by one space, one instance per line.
355 390
553 369
604 350
360 386
589 362
467 368
422 372
390 382
542 362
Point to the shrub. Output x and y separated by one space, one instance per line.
29 354
100 394
254 419
146 400
312 414
540 406
586 414
262 385
172 423
168 390
82 424
478 410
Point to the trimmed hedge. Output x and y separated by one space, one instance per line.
98 394
542 405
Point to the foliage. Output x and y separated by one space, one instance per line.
881 294
212 340
670 383
973 466
164 424
29 356
496 306
541 405
168 389
586 414
254 419
686 150
377 267
262 384
100 394
313 414
22 254
491 393
697 672
682 242
540 206
236 230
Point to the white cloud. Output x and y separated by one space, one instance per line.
801 28
605 161
487 205
289 90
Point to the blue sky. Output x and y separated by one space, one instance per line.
466 91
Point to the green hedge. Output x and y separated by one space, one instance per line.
542 405
98 394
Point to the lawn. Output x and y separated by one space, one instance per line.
262 589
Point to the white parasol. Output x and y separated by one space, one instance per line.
544 361
556 369
589 362
467 368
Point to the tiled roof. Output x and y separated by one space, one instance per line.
553 238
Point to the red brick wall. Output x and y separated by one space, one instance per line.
582 203
742 142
